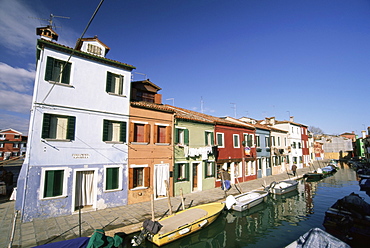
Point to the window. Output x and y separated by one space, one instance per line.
259 163
1 154
58 127
53 182
273 141
299 145
139 132
2 136
182 136
57 71
267 141
139 176
1 145
15 145
15 154
258 143
145 96
209 140
294 160
114 84
94 49
220 140
17 136
113 178
250 168
162 134
114 131
181 172
236 140
278 141
209 169
293 145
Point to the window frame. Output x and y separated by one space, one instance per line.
133 134
236 141
108 133
186 171
209 169
119 179
209 138
109 84
181 136
43 181
50 73
146 176
168 134
222 136
48 127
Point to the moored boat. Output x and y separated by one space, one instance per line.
349 219
316 237
246 200
282 187
364 184
180 224
313 176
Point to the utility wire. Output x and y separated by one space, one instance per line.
73 51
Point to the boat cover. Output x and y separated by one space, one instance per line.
76 243
353 203
318 238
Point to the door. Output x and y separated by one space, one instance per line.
195 177
161 174
84 197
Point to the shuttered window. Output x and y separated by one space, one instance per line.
209 139
162 134
139 177
112 178
57 71
53 185
209 168
114 83
114 131
181 172
58 127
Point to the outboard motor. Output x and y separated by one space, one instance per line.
149 228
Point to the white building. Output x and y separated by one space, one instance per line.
77 149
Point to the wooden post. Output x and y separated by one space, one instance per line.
182 200
152 205
168 195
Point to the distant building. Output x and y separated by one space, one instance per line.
12 144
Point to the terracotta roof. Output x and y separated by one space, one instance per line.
79 53
153 106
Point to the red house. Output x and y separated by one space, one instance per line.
305 146
12 144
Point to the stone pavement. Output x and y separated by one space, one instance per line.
126 219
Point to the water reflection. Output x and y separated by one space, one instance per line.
278 221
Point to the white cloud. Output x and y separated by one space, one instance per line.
15 122
17 79
17 28
16 102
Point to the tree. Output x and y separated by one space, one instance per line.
315 130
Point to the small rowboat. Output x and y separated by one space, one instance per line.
180 224
246 200
282 187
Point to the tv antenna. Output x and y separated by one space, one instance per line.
50 20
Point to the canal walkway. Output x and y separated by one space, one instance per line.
126 219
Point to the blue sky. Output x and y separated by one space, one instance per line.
255 58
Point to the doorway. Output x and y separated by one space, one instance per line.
161 174
84 191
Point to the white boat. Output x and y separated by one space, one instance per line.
246 200
282 187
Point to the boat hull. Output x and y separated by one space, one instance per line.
284 187
250 199
168 234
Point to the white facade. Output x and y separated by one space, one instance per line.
77 130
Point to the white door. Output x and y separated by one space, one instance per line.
161 174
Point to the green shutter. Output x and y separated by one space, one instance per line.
53 183
105 130
212 139
49 69
112 178
186 137
46 126
71 127
66 73
206 138
176 172
109 82
123 132
176 135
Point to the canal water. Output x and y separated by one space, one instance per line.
278 221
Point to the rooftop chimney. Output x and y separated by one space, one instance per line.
292 119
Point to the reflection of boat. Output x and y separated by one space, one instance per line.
179 224
349 218
246 200
250 211
314 176
282 187
328 170
285 196
316 237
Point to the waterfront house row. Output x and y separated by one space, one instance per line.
98 140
